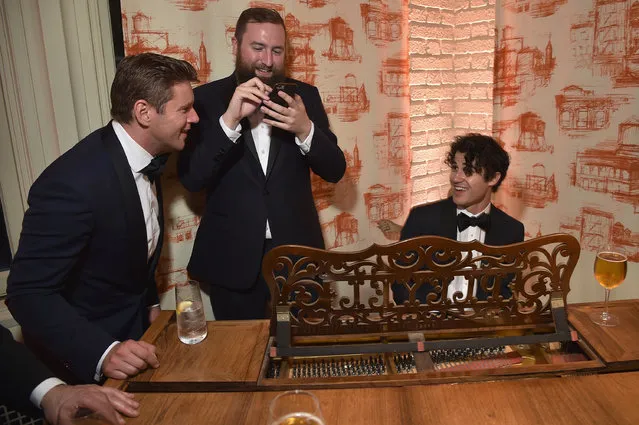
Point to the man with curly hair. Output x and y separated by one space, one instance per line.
478 165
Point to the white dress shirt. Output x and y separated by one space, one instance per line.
471 233
262 137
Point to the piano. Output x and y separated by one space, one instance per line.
336 324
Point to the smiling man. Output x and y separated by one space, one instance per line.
82 283
254 157
478 166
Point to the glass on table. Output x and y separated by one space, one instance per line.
191 322
610 270
295 408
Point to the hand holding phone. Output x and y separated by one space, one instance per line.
288 117
288 88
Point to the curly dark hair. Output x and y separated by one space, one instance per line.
257 15
482 154
147 76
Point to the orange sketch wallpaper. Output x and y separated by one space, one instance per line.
566 104
356 54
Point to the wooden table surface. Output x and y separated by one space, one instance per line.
610 399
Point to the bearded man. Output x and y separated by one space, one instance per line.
253 157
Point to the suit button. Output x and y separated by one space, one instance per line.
265 193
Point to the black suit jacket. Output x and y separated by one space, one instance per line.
80 279
440 219
240 197
21 372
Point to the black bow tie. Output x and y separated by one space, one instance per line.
155 167
482 221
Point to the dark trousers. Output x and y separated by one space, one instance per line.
247 304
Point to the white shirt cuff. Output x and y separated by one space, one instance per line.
305 146
233 135
98 370
42 389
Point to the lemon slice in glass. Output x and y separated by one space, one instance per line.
183 305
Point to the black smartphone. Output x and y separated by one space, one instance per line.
288 88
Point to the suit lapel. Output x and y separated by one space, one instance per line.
492 235
249 142
449 220
276 143
130 197
156 255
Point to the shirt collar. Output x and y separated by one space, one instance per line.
136 155
469 214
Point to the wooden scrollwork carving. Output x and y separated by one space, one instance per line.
338 293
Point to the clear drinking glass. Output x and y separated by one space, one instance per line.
295 408
191 322
610 271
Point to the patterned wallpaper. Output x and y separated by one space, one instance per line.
566 74
355 52
566 104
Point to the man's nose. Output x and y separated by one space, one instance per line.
193 117
457 175
267 57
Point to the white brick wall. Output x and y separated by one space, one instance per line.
451 51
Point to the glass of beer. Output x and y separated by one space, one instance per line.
191 322
610 271
295 408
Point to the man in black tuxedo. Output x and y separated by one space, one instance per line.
253 158
25 379
82 282
478 165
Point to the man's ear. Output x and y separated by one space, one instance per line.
142 112
235 46
492 182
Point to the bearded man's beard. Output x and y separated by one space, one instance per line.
245 71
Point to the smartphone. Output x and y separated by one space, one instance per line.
288 88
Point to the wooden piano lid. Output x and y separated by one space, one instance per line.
231 356
617 346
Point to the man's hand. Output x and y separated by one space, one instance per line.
62 403
391 229
129 358
293 118
154 312
247 98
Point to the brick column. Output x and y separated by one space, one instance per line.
451 49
